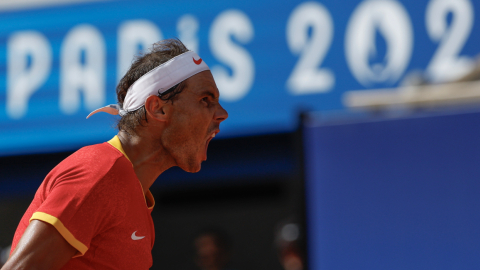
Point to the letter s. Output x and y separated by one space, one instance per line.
232 23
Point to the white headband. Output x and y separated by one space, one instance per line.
157 81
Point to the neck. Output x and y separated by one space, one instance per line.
148 159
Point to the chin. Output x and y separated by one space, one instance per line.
193 170
192 167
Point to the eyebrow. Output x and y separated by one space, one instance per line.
208 93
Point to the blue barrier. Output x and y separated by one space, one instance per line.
394 193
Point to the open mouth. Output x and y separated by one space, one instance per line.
207 142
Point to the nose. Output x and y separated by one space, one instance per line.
221 114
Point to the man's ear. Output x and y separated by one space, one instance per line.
157 109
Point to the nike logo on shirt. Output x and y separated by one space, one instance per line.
134 237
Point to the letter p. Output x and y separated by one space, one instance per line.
23 79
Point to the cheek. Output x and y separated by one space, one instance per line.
196 123
184 132
190 125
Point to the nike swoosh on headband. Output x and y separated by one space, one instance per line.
197 62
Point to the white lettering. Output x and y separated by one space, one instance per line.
446 64
82 68
187 28
391 21
23 79
307 77
232 23
134 37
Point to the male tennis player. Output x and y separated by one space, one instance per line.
92 211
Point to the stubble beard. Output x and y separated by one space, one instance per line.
185 155
189 161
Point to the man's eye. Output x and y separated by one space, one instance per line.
205 99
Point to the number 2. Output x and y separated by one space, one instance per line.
446 64
307 77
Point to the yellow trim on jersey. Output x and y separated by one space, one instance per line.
62 230
115 142
149 199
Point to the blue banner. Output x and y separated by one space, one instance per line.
270 59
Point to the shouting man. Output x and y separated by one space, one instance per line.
93 210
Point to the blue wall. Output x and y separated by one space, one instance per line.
394 194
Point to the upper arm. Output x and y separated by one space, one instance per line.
41 247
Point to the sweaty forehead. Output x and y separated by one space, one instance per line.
203 83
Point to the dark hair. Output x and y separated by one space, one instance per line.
160 53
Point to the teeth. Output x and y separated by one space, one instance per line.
213 135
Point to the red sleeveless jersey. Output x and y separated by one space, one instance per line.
96 202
